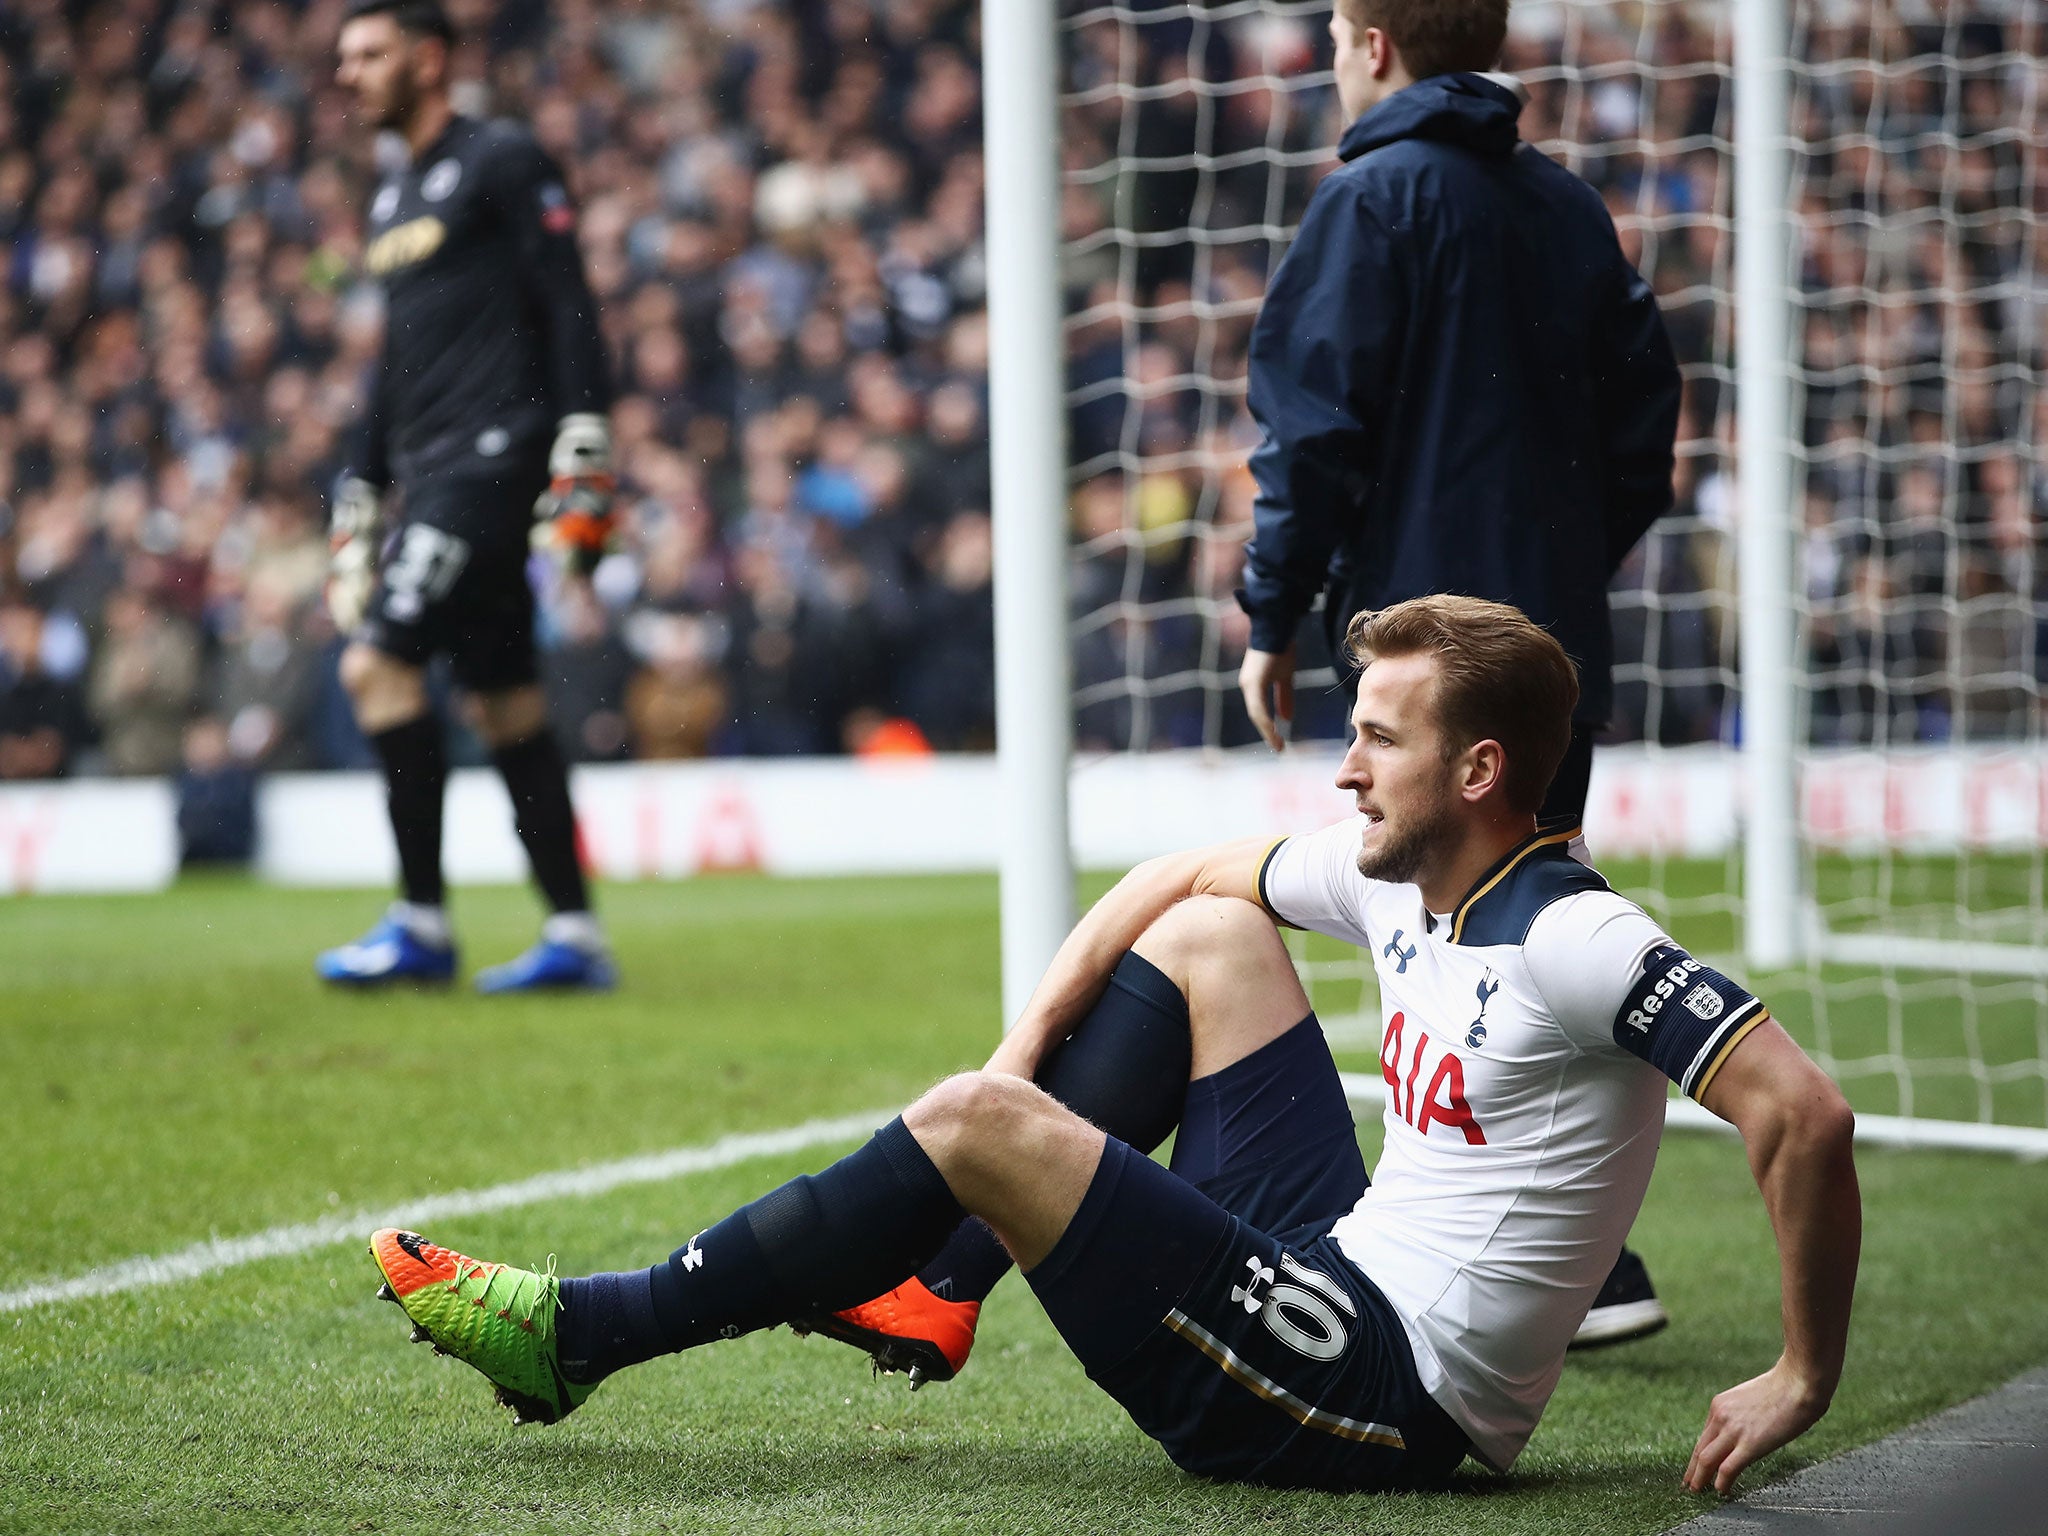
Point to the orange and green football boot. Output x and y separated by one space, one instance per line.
499 1319
907 1329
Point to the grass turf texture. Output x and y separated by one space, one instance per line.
175 1072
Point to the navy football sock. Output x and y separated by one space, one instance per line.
1124 1068
607 1322
819 1243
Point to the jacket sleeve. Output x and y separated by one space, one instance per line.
1636 389
1320 355
534 200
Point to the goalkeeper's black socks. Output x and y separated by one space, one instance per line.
820 1243
415 782
1125 1068
538 781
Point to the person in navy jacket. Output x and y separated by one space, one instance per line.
1462 386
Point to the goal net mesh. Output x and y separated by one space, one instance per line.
1193 135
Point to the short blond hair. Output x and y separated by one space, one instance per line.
1500 676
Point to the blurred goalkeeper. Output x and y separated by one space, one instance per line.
1463 387
487 411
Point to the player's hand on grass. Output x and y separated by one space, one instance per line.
1267 681
1748 1422
576 509
352 550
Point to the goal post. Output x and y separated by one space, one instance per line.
1763 448
1027 471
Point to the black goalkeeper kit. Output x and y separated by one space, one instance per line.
491 338
491 334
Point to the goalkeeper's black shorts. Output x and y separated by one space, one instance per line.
1217 1311
452 579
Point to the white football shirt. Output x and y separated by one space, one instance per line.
1523 1036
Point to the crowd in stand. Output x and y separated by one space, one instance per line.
782 220
1920 184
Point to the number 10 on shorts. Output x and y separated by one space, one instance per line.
1301 1310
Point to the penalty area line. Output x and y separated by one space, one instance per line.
220 1253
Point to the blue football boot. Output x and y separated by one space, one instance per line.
388 953
551 965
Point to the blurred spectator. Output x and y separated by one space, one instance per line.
265 679
145 683
216 792
42 718
677 704
955 471
588 672
785 662
949 675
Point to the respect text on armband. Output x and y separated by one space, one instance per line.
1671 973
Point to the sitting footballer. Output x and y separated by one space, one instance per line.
1260 1307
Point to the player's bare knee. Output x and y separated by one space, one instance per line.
941 1110
385 691
507 716
361 668
1212 930
972 1113
968 1100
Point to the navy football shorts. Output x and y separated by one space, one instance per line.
1212 1305
452 579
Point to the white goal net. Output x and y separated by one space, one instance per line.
1193 135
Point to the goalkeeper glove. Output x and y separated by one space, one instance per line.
352 550
576 508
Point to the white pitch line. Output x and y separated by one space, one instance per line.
221 1253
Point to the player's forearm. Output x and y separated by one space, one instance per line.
1806 1170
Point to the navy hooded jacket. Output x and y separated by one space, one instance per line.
1462 383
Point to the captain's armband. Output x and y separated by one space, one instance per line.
1684 1018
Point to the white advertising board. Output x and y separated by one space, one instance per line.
830 816
89 835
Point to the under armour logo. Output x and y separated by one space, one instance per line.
693 1256
1247 1295
1397 954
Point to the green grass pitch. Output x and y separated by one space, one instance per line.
173 1072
